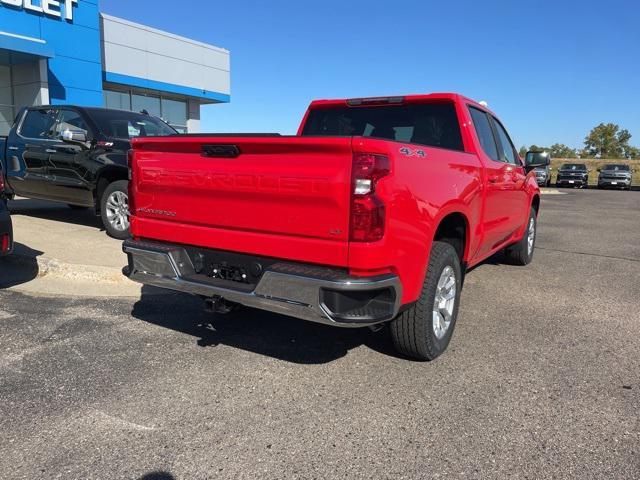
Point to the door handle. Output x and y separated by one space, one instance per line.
494 179
51 150
13 148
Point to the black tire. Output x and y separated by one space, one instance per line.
113 227
413 331
520 253
76 207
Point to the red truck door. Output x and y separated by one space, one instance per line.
519 200
502 195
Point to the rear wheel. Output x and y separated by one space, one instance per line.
114 209
425 329
521 253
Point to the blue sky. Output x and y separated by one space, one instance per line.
550 69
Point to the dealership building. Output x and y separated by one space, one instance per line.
67 52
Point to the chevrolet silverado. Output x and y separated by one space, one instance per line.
77 156
370 215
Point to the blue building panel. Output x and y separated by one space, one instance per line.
73 51
19 22
26 46
74 48
166 87
72 72
75 96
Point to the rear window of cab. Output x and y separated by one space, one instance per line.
429 124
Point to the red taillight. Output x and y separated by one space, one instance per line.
6 243
367 209
1 181
132 179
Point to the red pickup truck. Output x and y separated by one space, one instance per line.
370 215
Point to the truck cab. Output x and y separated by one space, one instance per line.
77 156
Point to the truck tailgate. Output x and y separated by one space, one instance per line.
285 197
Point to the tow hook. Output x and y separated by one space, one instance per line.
219 305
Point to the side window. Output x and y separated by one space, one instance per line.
485 133
38 124
506 147
69 120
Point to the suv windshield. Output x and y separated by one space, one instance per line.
573 166
431 124
127 125
615 168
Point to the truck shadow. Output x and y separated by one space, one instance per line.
157 476
19 268
57 212
265 333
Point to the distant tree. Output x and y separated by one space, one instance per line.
608 141
536 148
523 151
560 150
633 153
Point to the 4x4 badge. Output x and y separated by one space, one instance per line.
410 152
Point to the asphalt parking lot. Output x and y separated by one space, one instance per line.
542 379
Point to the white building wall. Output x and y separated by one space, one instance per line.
139 51
193 114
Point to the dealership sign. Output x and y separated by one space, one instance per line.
48 7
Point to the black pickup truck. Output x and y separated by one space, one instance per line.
78 156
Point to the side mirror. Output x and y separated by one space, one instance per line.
76 137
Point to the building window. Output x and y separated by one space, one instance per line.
117 100
172 111
175 112
148 103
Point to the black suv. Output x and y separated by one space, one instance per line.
615 176
77 156
573 175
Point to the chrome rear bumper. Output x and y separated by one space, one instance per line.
302 291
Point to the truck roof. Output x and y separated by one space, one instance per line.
397 99
78 107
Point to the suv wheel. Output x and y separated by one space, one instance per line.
425 329
114 209
521 253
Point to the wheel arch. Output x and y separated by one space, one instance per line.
453 228
109 174
535 203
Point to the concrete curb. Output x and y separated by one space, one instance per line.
51 267
547 191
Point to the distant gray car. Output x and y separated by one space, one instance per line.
615 175
540 162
